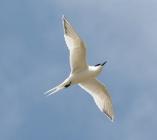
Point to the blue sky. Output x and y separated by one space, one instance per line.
33 58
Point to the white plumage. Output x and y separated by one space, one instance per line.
83 74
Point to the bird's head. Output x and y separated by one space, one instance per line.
101 64
99 67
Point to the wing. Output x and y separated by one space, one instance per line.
100 95
76 47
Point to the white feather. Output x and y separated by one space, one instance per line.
76 47
100 96
83 74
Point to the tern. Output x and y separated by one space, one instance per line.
83 74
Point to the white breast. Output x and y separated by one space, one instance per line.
85 75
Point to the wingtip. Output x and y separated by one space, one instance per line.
112 119
65 24
63 17
110 116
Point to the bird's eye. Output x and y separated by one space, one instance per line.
97 64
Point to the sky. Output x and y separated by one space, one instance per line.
34 58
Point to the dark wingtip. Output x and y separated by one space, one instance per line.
104 63
64 21
109 116
97 65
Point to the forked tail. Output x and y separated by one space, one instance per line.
63 85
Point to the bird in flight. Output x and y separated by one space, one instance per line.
83 74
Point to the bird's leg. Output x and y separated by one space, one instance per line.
67 85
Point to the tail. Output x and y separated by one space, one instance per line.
57 88
53 90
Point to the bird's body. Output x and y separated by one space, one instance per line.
88 73
83 74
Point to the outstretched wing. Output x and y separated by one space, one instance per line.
76 47
100 95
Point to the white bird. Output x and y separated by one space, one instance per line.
83 74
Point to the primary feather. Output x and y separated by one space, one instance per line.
76 47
